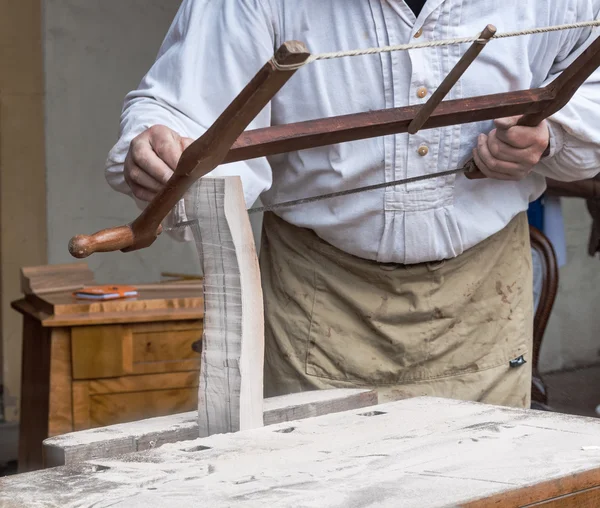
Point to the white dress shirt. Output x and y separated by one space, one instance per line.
214 47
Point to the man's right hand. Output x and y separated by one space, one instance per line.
151 160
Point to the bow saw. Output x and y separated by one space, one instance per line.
226 140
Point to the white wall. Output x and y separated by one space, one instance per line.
97 51
573 334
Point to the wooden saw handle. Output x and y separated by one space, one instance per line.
472 172
562 89
201 157
106 240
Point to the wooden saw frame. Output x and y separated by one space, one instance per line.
225 141
230 394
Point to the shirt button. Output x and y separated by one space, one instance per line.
423 151
421 92
418 33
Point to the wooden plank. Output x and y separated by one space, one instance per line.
27 309
308 134
581 499
193 311
81 405
420 452
574 491
97 403
181 276
172 296
166 347
148 382
230 395
141 316
60 419
101 351
298 406
53 278
35 398
142 435
111 408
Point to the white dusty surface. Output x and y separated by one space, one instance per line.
154 432
422 453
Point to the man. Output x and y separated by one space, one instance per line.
420 289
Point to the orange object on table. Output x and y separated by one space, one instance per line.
106 292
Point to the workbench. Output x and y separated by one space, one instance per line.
420 452
95 363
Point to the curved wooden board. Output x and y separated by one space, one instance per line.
230 396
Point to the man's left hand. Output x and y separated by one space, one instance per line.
511 151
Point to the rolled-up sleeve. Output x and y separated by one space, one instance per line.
574 133
211 51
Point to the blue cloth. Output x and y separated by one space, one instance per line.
545 214
535 213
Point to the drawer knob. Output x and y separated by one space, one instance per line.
197 346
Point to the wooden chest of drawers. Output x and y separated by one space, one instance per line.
92 364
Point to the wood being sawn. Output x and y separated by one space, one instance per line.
416 453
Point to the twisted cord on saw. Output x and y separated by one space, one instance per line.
433 44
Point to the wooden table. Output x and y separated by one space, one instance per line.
91 364
421 453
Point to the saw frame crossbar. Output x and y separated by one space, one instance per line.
227 141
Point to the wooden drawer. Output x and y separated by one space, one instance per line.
107 351
110 401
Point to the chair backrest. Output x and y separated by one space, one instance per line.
547 257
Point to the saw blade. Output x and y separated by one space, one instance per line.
320 197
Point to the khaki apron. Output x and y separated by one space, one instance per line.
453 328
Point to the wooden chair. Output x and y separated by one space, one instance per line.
541 244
